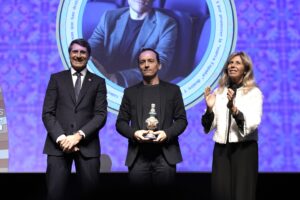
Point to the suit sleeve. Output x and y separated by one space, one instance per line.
97 39
50 121
252 109
100 112
167 45
124 118
179 118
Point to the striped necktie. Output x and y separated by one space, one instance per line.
77 85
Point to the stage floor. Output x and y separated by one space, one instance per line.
189 186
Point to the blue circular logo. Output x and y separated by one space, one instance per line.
214 42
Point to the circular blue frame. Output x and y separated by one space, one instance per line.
221 43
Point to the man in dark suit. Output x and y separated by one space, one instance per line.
75 109
123 32
152 161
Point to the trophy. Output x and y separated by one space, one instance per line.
151 122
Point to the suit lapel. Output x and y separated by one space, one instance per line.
139 100
85 86
147 28
162 92
117 35
69 85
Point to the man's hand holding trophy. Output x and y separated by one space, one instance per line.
152 125
151 134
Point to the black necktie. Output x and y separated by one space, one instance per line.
77 85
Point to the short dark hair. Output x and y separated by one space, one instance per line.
149 49
82 42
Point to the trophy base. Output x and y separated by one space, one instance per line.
150 136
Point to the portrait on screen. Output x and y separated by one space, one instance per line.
193 39
174 28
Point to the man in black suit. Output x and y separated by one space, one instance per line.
152 161
75 109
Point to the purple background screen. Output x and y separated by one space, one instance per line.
268 30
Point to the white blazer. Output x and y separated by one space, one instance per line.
249 104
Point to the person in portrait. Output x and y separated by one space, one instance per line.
234 110
122 33
152 161
74 110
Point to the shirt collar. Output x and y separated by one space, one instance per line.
134 15
83 72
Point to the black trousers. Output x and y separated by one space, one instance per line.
234 171
152 171
58 176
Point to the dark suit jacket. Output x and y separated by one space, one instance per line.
62 115
173 120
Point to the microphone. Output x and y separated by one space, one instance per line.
234 87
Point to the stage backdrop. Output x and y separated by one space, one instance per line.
268 30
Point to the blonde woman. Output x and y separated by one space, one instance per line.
234 111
